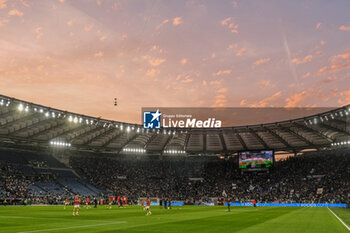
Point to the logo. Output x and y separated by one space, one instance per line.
151 120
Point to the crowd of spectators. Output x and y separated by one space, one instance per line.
312 177
15 186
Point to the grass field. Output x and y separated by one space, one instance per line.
179 219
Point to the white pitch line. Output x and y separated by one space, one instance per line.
66 228
339 219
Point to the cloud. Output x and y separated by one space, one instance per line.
156 61
215 82
240 52
344 97
152 72
264 84
344 28
306 59
184 61
165 21
61 1
243 102
337 63
187 80
329 79
261 61
70 22
38 33
15 12
177 21
102 38
295 99
3 4
204 83
267 101
318 26
99 54
156 48
222 72
306 75
220 101
88 27
232 46
230 24
222 90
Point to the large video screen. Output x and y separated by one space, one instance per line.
256 159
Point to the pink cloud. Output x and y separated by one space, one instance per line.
264 84
306 75
337 63
261 61
295 99
306 59
187 80
177 21
220 100
15 12
159 26
230 24
222 72
243 102
329 79
344 28
240 52
267 101
99 54
3 4
345 97
156 61
152 72
222 90
38 33
318 26
184 61
215 82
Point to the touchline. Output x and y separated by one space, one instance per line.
191 123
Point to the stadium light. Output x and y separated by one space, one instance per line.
20 107
134 150
60 144
172 151
47 114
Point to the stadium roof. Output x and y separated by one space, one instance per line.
28 124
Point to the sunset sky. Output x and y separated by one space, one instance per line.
78 55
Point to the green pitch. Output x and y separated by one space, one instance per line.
179 219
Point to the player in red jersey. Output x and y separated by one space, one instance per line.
76 205
87 202
148 204
254 203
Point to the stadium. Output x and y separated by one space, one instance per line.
241 138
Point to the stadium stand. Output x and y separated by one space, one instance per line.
48 154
